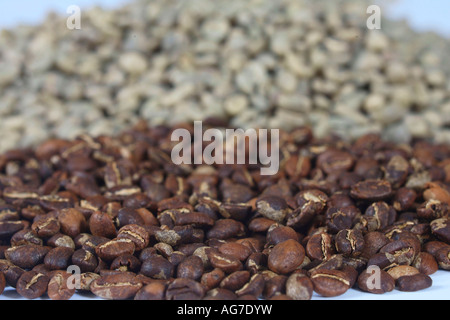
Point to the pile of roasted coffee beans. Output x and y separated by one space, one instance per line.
114 216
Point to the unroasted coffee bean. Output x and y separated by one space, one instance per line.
58 258
153 291
32 284
286 256
84 259
116 286
330 283
371 189
299 287
27 256
184 289
375 281
112 249
320 247
425 263
191 267
413 283
58 288
157 267
349 242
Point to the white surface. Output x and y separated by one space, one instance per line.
439 291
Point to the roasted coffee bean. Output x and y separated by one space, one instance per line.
375 281
371 189
413 283
286 256
443 258
212 279
61 240
157 267
11 272
116 286
235 280
58 258
236 250
330 283
155 290
58 288
380 211
332 161
341 218
86 278
254 287
85 260
72 222
404 199
425 263
299 287
45 227
220 294
25 236
441 229
32 284
320 247
272 207
191 267
401 271
137 234
27 256
349 242
277 234
127 216
2 282
126 262
8 228
227 263
101 224
373 242
274 286
112 249
399 252
225 229
184 289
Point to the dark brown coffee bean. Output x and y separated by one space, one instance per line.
274 286
400 271
332 161
135 233
11 272
58 258
320 247
443 258
212 279
236 250
330 283
184 289
220 294
27 256
399 252
8 228
375 281
341 218
404 199
191 267
254 287
61 240
45 227
413 283
2 282
373 242
299 287
433 209
225 229
310 203
432 247
24 237
235 280
380 211
272 207
157 267
222 261
72 222
58 288
153 291
32 284
349 242
277 234
116 286
84 259
86 279
441 229
101 224
126 262
425 263
374 190
286 256
112 249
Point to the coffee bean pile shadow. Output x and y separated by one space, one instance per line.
257 64
137 226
